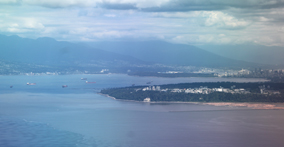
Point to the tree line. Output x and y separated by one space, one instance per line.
131 93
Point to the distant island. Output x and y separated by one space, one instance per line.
202 92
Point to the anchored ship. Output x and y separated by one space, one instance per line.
149 82
31 83
90 82
64 86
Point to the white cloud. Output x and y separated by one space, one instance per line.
62 3
201 39
177 14
15 30
110 15
149 3
77 20
8 1
264 19
20 24
93 3
32 24
208 18
222 20
14 25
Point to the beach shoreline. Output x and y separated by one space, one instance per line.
251 105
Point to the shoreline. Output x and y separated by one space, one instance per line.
251 105
259 106
264 79
106 95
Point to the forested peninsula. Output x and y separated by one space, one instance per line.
202 92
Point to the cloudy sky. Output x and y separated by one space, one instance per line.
178 21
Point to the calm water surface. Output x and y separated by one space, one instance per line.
46 114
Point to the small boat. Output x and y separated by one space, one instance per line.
90 82
11 86
64 86
31 83
149 82
83 78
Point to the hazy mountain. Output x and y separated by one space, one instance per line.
116 55
172 54
48 51
252 53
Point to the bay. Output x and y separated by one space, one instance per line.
46 114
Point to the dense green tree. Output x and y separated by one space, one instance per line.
130 93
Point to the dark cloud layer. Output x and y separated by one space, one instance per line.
205 5
162 6
117 6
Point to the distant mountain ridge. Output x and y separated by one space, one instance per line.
48 51
172 54
118 55
272 55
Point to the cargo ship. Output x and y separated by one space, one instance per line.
149 82
90 82
64 86
31 83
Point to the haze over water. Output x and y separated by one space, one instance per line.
46 114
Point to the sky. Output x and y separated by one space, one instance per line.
193 22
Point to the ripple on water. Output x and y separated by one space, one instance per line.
16 132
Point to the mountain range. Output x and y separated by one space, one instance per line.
121 56
271 55
172 54
48 51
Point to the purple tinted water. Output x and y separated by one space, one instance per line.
48 115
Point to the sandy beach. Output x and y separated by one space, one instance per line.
263 106
249 105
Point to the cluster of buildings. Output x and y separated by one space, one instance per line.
205 90
200 90
233 73
43 73
171 72
267 90
154 88
104 70
256 73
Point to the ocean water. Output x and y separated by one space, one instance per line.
46 114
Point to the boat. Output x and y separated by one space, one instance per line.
31 83
90 82
83 78
11 86
149 82
64 86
